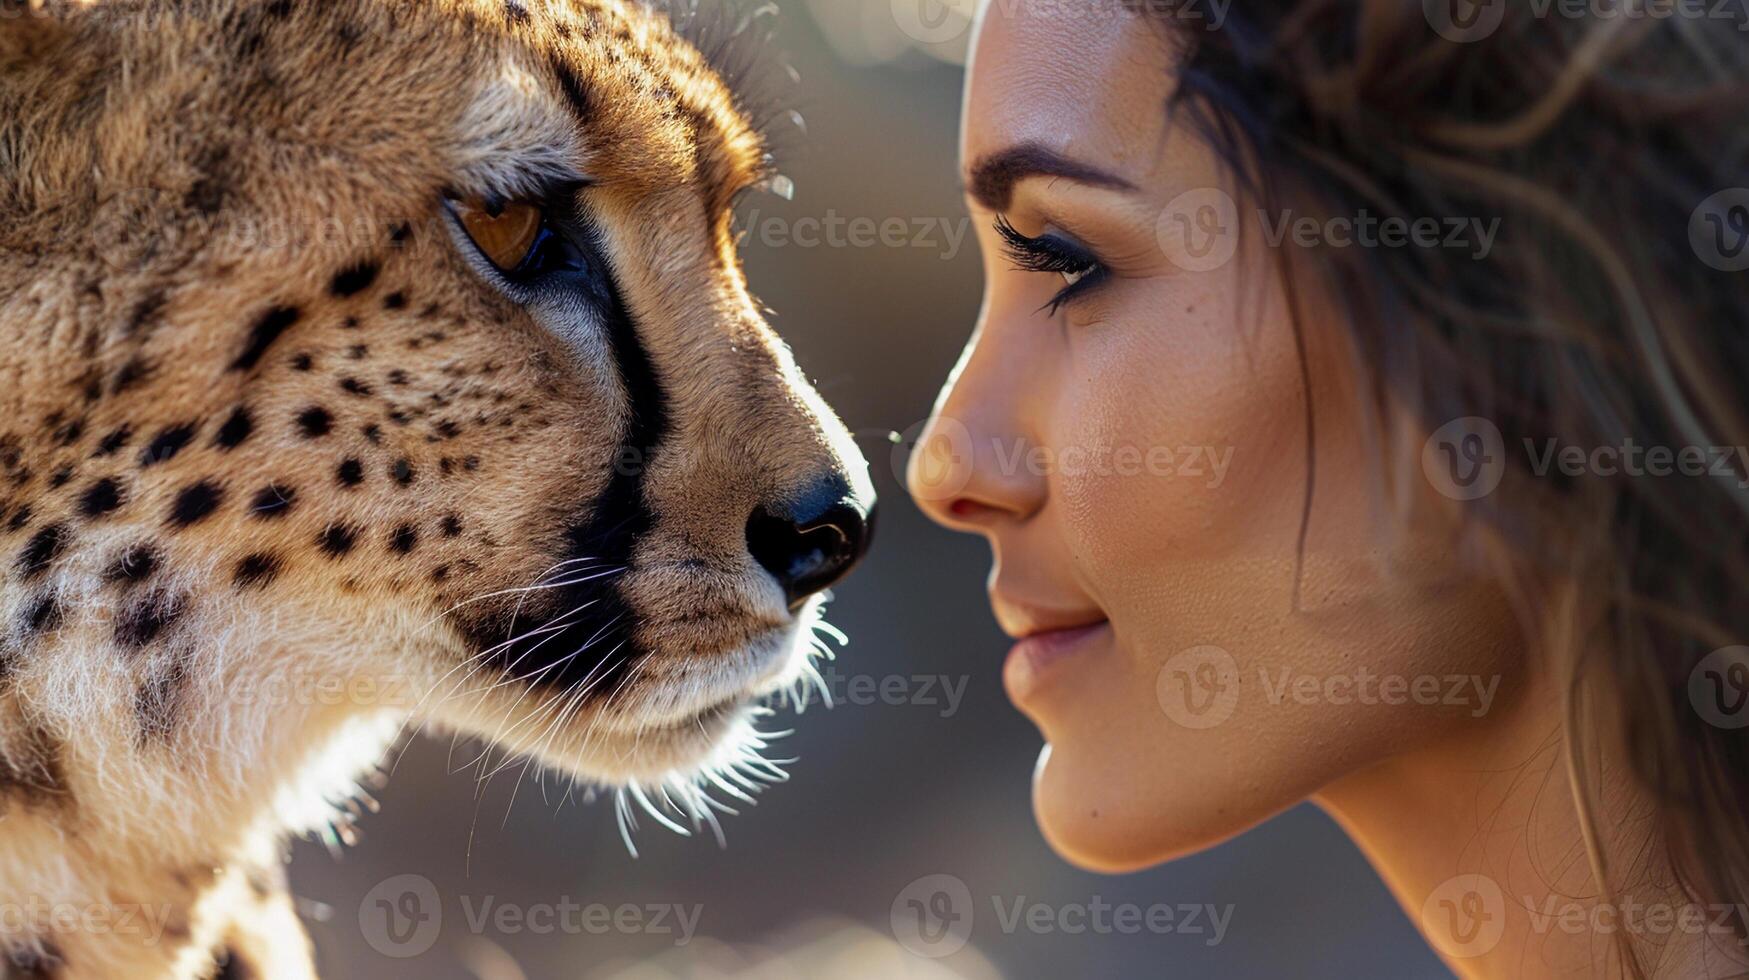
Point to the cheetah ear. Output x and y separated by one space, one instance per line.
30 30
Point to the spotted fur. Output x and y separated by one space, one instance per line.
268 425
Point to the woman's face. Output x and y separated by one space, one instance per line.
1128 429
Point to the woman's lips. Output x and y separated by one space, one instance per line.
1038 656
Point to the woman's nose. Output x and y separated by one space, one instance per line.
973 465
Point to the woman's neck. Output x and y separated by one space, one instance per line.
1482 840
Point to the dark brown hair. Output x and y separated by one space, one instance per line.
1602 143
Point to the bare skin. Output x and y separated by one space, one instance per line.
1137 460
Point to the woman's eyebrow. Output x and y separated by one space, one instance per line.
991 180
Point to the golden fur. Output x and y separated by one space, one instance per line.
280 469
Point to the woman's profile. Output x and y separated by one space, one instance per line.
1351 418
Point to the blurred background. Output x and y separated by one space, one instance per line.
904 845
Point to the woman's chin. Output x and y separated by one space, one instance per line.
1118 825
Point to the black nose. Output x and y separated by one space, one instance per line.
813 543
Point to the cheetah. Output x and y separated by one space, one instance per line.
368 367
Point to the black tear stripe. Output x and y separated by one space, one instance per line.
597 646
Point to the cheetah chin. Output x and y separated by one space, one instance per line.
374 367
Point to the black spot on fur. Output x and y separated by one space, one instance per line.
62 476
373 432
350 473
263 333
144 311
44 547
315 422
101 498
113 442
146 619
402 471
33 772
167 444
357 352
44 615
337 540
70 432
128 375
354 280
19 519
397 377
353 386
134 566
24 964
232 966
440 573
404 539
395 301
573 88
257 570
235 430
302 362
196 502
452 525
272 502
448 429
158 701
207 195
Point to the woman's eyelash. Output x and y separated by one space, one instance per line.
1081 270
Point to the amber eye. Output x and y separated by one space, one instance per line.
506 233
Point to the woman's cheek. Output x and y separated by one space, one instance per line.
1194 432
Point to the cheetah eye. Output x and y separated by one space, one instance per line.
537 247
506 233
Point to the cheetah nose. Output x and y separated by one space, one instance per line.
811 544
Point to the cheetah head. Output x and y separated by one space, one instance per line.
391 362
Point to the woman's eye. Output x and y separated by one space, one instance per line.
506 233
1080 269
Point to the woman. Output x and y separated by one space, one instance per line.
1327 419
